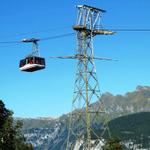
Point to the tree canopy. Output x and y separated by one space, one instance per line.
113 144
11 137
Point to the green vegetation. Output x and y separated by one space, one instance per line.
11 137
135 127
113 144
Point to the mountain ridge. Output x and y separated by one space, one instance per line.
44 133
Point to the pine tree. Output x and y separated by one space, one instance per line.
11 137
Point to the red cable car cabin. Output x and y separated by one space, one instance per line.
32 63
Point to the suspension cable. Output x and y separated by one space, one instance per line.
70 34
130 30
37 32
57 36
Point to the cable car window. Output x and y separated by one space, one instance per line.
30 60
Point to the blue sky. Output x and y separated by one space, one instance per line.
49 92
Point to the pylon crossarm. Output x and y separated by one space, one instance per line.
82 57
94 32
91 8
62 57
96 112
108 59
103 32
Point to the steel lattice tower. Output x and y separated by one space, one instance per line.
86 89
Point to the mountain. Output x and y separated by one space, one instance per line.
45 134
51 134
131 102
42 122
133 130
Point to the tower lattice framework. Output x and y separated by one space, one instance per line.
86 90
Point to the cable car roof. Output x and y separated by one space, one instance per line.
30 40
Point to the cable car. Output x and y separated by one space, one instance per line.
32 62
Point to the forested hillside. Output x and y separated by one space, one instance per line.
134 128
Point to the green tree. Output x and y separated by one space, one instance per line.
113 144
11 137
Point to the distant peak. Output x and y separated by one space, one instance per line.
46 118
107 94
141 88
36 118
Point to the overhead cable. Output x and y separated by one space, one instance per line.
37 32
130 30
70 34
42 39
9 42
10 45
57 36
